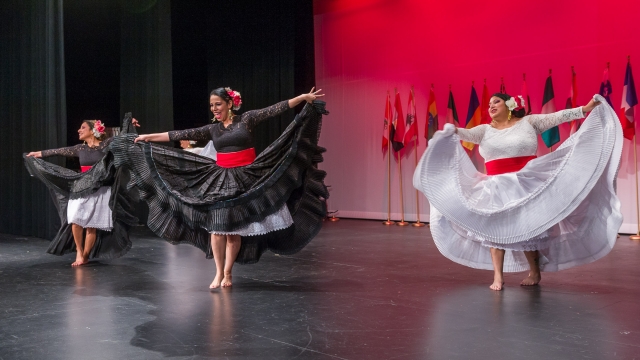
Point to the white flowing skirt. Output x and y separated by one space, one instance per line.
279 220
563 204
92 211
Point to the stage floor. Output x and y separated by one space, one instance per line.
359 290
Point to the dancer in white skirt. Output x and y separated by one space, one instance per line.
539 214
90 211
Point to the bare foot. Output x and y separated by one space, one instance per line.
532 279
498 282
497 285
80 261
226 282
216 282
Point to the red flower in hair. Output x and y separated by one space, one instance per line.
98 128
236 99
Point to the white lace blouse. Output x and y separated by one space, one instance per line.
518 140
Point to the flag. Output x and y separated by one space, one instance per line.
452 113
412 124
473 115
502 87
629 100
484 105
387 119
605 86
525 95
432 116
572 101
551 136
397 130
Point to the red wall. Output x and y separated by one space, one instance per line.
455 41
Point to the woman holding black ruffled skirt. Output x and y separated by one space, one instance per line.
239 205
94 207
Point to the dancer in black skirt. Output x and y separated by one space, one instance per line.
85 200
238 206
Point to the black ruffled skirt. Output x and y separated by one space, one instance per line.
65 184
189 196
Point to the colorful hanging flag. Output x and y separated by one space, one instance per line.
473 115
572 102
629 100
432 116
551 136
605 86
387 119
397 130
412 124
452 113
484 105
525 95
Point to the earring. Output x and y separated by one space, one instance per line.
230 114
509 116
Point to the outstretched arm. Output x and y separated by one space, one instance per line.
201 133
70 151
312 95
544 122
473 135
153 137
254 117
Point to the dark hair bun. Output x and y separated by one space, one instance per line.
518 113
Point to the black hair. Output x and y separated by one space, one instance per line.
515 113
222 93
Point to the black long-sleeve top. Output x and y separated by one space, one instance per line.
88 155
235 137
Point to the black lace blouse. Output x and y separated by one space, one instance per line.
88 156
238 135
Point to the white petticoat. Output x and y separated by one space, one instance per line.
92 211
563 204
279 220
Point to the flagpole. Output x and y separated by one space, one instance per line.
401 222
554 99
417 223
635 162
388 222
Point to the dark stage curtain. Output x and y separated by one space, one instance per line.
252 47
145 70
32 109
92 60
264 49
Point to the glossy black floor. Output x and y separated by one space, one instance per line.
360 290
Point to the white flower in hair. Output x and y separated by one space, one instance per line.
511 104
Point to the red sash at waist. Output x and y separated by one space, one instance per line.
85 168
235 159
507 165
